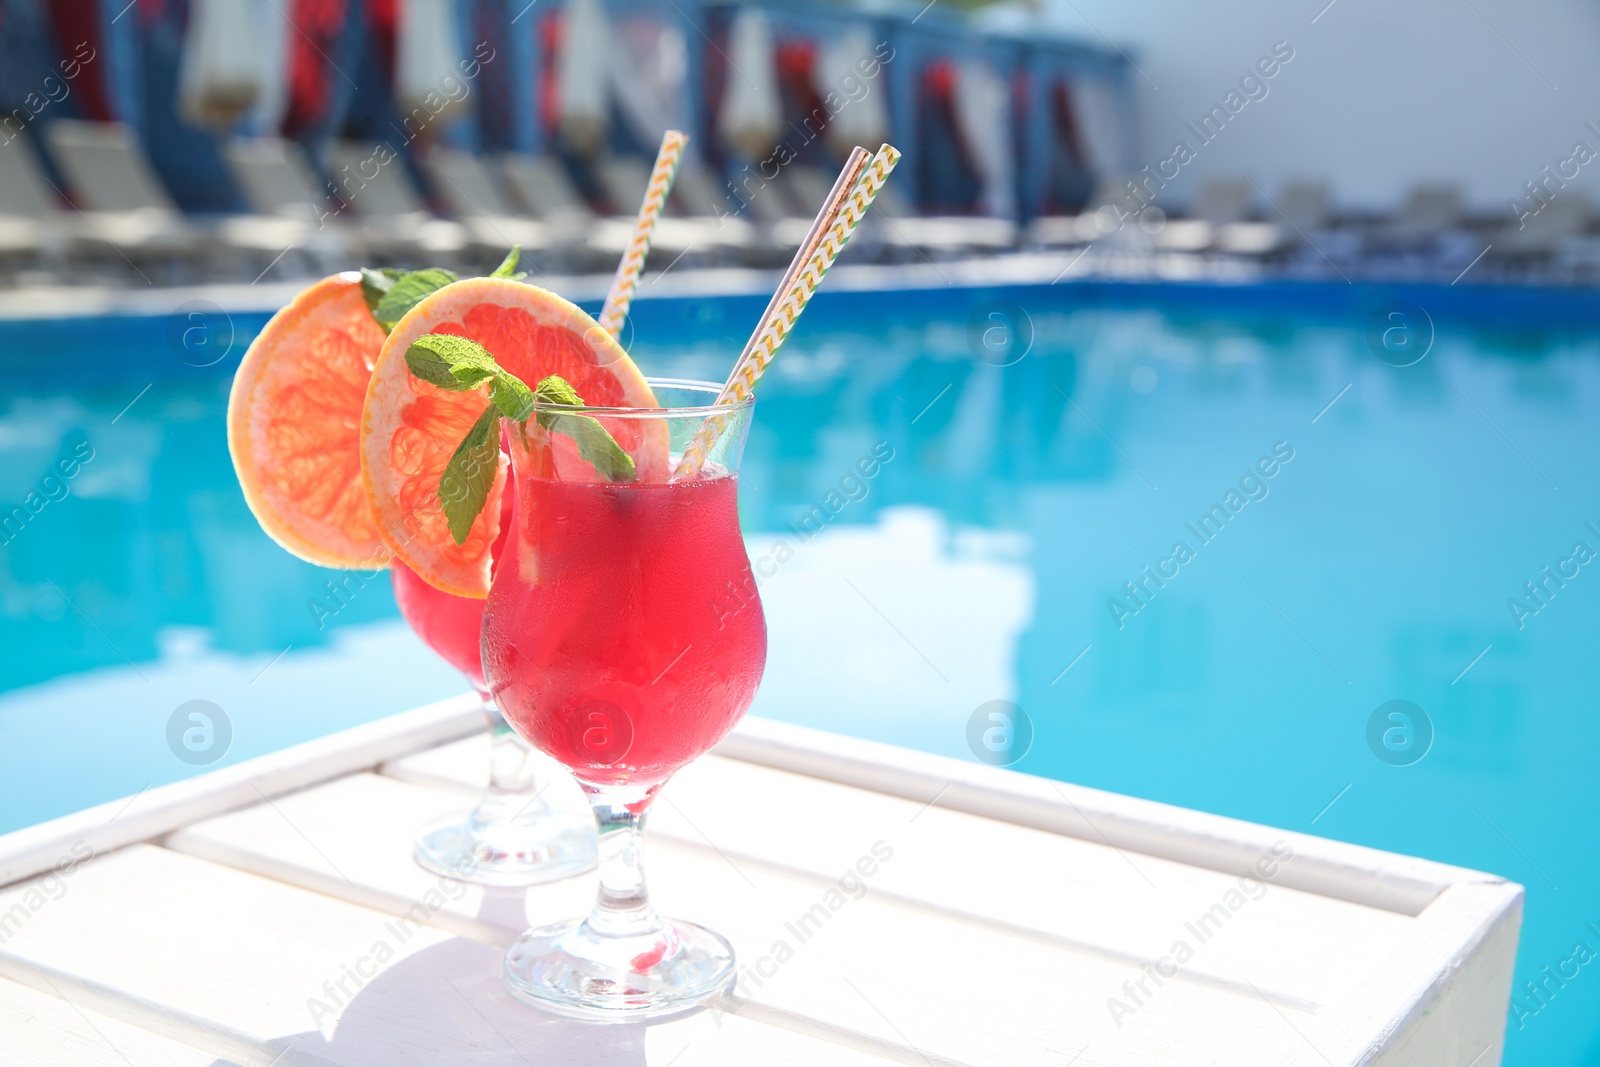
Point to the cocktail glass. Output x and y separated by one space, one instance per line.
624 637
513 837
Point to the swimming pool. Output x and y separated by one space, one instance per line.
955 498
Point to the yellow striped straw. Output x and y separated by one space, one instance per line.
741 383
615 311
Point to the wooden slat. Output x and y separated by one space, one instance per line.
243 967
1123 906
1328 868
464 765
1404 884
1002 921
861 979
1441 993
351 839
1126 907
42 1030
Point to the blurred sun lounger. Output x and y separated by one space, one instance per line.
1306 205
1428 223
1558 231
1098 220
288 208
695 195
472 192
1222 219
33 226
394 221
781 207
541 187
123 203
624 180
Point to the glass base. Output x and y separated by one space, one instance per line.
482 851
568 970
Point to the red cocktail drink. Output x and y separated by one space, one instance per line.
513 837
631 640
624 637
450 625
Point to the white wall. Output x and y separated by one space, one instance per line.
1380 94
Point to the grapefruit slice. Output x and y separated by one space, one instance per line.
294 421
410 428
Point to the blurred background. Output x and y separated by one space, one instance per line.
171 141
1136 255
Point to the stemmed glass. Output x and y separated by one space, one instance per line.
624 637
513 837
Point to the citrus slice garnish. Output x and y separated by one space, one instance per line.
294 421
410 428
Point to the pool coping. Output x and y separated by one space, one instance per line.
1017 272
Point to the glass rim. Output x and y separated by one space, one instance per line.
711 390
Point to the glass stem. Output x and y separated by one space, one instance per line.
622 906
509 797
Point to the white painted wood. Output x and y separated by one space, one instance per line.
1386 880
1009 918
40 1030
463 766
1443 984
770 863
232 960
1123 906
27 852
351 839
1086 895
242 967
1330 868
1398 883
1440 998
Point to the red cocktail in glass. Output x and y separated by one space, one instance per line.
512 838
624 637
627 657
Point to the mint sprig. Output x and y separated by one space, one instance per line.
451 362
464 486
408 291
391 292
508 266
376 282
594 441
459 364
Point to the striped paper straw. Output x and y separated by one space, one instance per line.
741 383
615 311
849 177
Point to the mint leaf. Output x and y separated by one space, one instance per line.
468 477
374 283
457 363
595 444
511 396
509 264
407 292
452 362
557 390
460 363
594 441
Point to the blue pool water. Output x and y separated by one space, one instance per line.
1382 519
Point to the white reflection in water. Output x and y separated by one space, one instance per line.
119 714
896 630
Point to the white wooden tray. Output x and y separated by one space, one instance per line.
887 906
